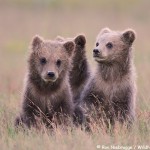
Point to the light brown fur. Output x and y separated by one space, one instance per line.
47 96
112 89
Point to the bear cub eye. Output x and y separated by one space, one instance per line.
97 44
58 62
43 60
109 45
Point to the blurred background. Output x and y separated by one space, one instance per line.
20 20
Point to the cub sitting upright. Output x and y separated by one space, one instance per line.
111 92
79 74
47 97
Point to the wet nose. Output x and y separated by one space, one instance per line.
96 51
51 74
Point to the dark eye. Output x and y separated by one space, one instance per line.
58 62
43 61
97 44
109 45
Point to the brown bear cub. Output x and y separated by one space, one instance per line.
110 94
47 95
80 71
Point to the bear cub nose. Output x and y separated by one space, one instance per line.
96 51
51 74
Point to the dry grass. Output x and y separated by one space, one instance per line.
20 20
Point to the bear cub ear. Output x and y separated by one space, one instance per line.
105 30
69 47
129 36
60 39
36 42
80 40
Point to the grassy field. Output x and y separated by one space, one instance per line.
21 20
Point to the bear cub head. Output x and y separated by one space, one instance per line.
50 60
111 46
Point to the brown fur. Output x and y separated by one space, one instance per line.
111 92
47 99
80 71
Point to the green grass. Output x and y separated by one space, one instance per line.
21 20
